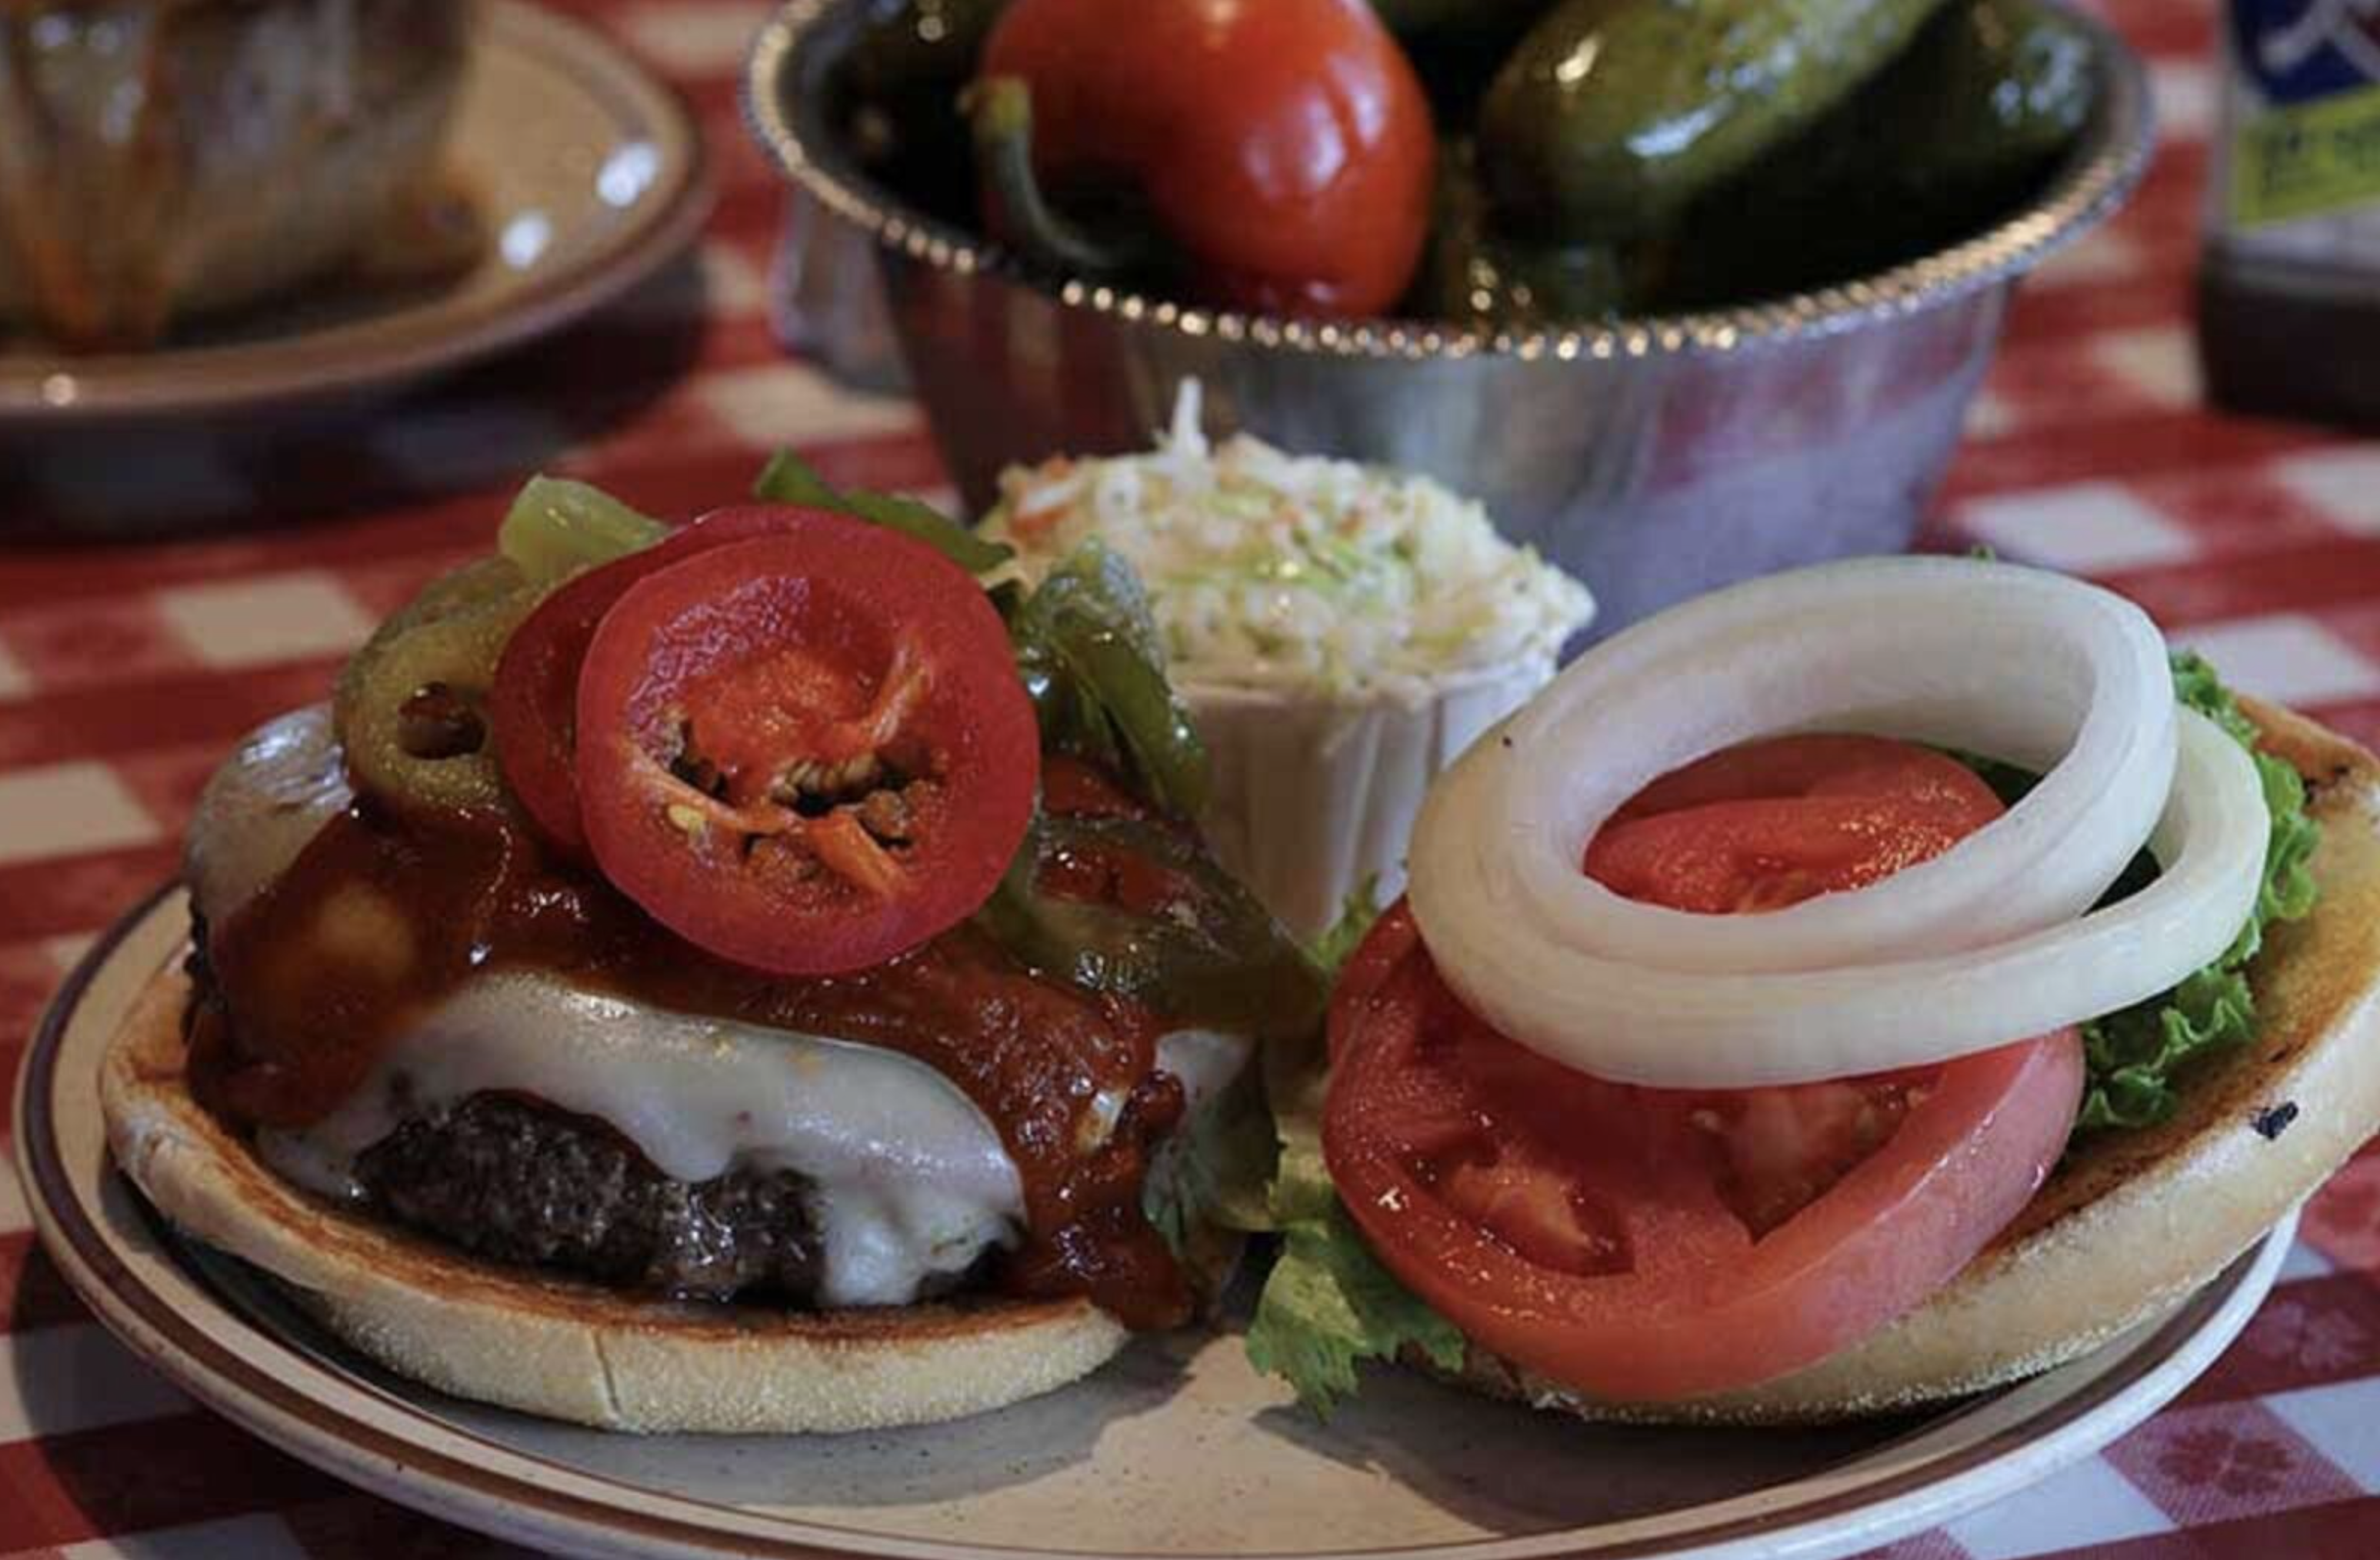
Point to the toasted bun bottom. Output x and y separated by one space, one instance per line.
553 1346
2131 1222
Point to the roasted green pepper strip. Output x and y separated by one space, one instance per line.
790 479
409 706
1090 657
1211 955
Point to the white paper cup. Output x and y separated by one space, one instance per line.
1311 795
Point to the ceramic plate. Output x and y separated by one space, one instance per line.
588 175
1176 1449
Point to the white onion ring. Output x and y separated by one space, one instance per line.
1973 949
2032 667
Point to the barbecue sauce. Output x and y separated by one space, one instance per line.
380 918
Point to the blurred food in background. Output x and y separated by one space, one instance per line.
1959 132
900 82
1660 391
1275 158
162 160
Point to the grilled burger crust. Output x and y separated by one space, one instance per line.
2131 1223
517 1180
553 1345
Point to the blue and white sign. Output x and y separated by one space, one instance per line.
2297 51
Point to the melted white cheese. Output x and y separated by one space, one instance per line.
910 1180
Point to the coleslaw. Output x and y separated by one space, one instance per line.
1301 574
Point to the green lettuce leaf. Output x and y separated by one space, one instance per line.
1329 1304
2133 1056
1220 1167
1206 1185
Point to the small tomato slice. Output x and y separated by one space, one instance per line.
1656 1243
808 752
533 708
1770 823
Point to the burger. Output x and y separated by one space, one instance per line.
1847 992
748 977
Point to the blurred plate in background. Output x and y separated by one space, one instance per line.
588 175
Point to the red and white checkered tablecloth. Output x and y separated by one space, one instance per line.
127 669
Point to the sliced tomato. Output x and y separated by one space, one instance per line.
1654 1244
1770 823
533 707
806 751
1820 765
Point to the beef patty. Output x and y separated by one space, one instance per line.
516 1180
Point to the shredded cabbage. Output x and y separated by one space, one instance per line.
1298 573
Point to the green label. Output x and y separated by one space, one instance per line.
2307 160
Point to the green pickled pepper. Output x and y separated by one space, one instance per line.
409 708
1215 956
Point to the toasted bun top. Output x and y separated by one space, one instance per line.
2133 1221
554 1346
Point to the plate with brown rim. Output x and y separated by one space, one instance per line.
585 174
1177 1449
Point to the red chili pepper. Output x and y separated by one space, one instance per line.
807 751
1283 148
